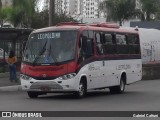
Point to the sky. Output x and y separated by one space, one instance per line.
40 5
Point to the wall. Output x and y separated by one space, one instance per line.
151 72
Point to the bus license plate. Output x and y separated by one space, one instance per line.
45 88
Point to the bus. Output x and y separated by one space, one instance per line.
76 58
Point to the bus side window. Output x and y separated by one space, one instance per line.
109 45
133 41
122 47
98 39
81 49
90 43
85 47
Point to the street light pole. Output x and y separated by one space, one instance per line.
51 11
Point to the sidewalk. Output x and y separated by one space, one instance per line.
6 85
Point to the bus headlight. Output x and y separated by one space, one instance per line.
68 76
25 77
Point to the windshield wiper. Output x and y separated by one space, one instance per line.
52 55
40 53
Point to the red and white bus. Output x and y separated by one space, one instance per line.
76 58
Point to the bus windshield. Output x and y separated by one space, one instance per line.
50 47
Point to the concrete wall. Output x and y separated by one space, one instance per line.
151 72
150 24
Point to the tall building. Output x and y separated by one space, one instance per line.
58 6
91 9
62 6
85 8
68 7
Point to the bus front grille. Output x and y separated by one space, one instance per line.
49 85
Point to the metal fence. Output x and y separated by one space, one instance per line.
12 39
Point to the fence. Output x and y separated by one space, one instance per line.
12 38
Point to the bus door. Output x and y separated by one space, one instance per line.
109 51
86 59
96 67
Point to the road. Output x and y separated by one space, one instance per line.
141 96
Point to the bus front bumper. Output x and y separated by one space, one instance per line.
50 85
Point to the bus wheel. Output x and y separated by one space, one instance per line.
118 89
32 94
82 90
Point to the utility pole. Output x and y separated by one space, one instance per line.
51 12
0 4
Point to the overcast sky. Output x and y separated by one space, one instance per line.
40 5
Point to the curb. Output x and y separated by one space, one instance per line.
3 75
11 88
6 74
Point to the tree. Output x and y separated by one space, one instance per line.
119 10
4 15
157 15
4 11
40 19
22 11
149 8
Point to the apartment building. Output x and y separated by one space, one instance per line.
91 9
85 8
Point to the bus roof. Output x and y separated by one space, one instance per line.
108 27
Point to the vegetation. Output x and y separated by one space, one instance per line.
19 13
150 10
40 19
121 10
23 13
4 15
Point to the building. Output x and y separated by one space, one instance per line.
91 9
85 8
62 6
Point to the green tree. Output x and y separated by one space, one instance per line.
149 8
40 19
119 10
157 15
22 12
4 15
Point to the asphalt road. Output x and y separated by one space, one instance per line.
141 96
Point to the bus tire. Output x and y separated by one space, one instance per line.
118 89
82 90
32 94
